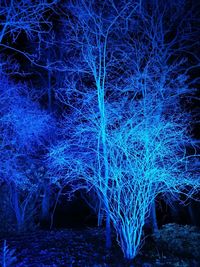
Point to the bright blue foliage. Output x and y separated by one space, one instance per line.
25 130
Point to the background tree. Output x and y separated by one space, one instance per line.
25 134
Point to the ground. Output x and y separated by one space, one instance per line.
174 245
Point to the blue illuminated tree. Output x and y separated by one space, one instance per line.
25 135
89 28
126 134
29 22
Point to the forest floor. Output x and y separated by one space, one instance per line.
174 245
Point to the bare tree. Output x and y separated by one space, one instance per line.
126 134
88 28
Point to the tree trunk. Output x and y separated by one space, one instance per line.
108 231
154 217
45 216
17 209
